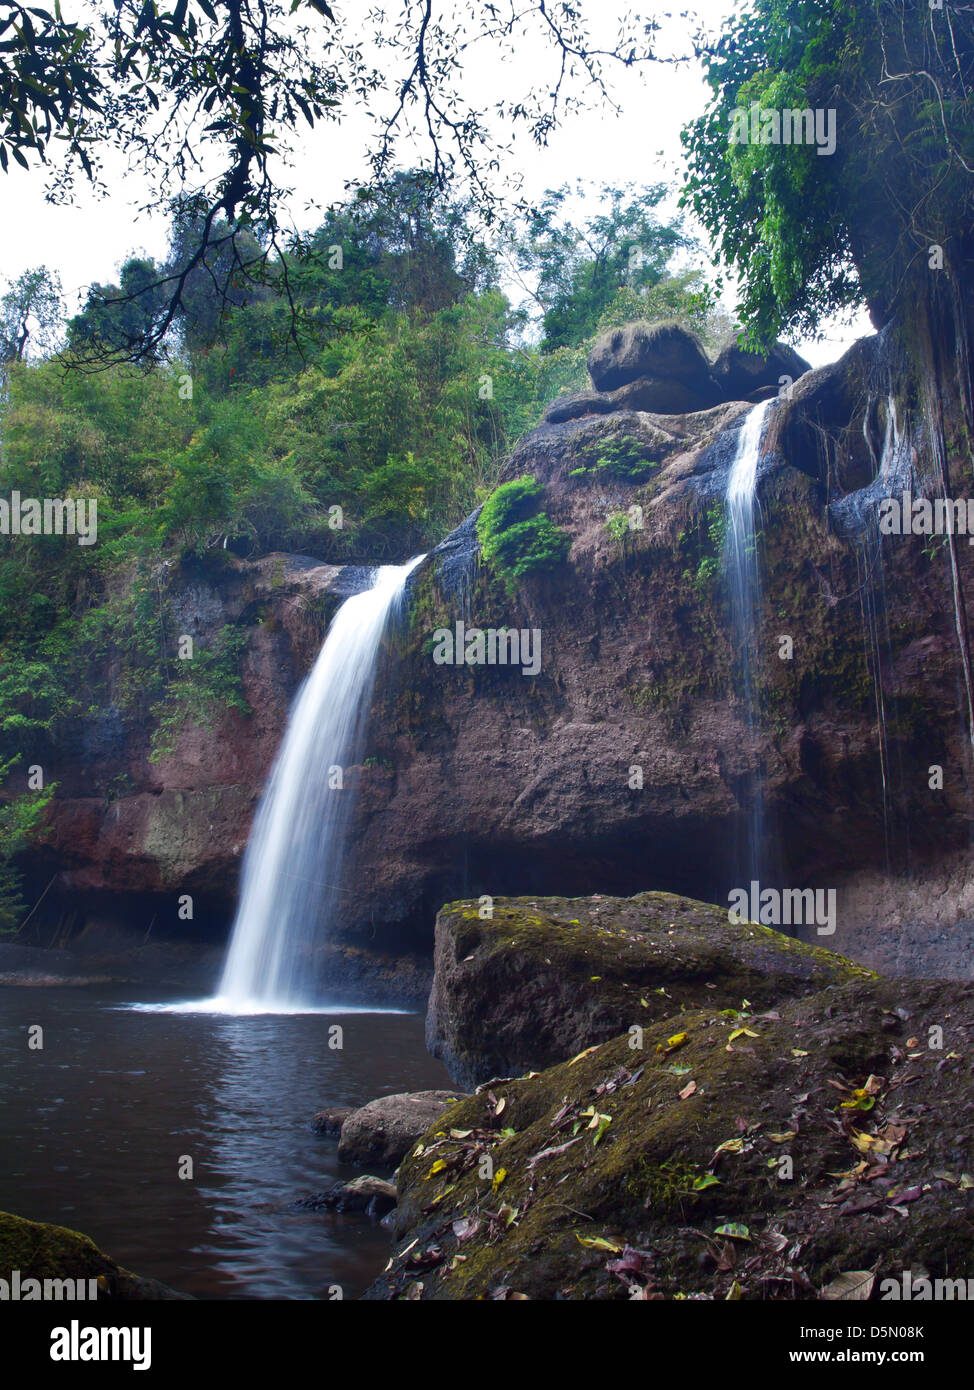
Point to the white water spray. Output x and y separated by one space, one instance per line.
744 578
293 865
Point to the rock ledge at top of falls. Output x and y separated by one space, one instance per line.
787 1154
544 978
43 1251
662 367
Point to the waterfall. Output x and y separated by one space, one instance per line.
293 865
744 580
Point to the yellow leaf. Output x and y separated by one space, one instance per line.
586 1053
861 1100
734 1230
437 1167
785 1137
870 1143
599 1243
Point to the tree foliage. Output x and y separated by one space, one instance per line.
208 97
810 233
576 266
31 313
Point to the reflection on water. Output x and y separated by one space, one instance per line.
235 1008
94 1127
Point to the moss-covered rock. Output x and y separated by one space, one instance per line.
719 1154
543 978
42 1251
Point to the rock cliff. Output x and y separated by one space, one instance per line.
628 761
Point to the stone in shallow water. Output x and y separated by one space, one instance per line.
374 1196
384 1130
330 1120
40 1251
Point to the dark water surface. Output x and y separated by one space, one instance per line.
93 1127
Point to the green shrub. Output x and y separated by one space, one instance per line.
624 457
515 536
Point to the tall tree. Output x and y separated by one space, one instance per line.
574 268
31 313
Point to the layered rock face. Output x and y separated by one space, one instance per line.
628 761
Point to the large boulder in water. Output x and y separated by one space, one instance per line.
545 978
739 373
385 1129
660 351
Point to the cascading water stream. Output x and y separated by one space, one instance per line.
292 867
744 580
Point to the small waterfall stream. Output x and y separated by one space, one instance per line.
744 581
293 863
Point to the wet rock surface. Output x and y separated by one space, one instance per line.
384 1130
330 1120
373 1196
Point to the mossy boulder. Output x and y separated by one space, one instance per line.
755 1154
660 350
42 1251
545 977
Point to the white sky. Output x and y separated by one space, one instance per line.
88 241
